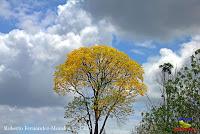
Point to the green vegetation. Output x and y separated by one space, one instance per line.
181 98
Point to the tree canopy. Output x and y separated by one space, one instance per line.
104 82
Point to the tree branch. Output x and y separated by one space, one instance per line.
107 115
87 107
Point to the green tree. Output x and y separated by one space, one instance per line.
166 70
182 99
104 82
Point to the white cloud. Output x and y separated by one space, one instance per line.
71 18
40 44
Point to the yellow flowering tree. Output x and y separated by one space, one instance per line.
104 82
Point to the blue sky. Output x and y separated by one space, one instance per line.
142 53
35 36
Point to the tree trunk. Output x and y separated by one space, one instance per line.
96 129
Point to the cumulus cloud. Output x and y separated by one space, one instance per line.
176 58
29 55
144 20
